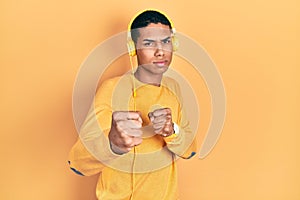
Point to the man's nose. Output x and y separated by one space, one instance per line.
159 49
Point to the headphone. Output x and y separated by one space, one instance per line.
130 42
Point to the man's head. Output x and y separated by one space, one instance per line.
144 19
152 34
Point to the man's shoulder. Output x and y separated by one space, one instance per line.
169 82
111 82
118 85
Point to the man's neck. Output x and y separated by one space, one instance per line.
152 80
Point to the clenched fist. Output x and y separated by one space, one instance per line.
125 132
162 121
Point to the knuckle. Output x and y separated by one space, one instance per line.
118 127
123 135
115 115
168 109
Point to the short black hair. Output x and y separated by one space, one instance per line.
144 19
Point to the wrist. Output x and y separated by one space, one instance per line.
115 149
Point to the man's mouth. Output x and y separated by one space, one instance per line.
161 63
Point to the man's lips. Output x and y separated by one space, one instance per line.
160 62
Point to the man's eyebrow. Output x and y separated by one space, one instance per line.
148 40
167 38
151 40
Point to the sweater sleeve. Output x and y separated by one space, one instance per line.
92 152
183 144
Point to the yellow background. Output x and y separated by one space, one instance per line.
255 45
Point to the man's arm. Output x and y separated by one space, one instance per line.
92 149
83 162
183 141
178 137
105 135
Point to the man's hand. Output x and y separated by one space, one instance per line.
125 132
162 121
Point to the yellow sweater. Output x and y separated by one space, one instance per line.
149 171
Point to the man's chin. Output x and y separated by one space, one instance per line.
161 70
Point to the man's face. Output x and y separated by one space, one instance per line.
154 48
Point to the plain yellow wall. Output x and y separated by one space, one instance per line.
255 45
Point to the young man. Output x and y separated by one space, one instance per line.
136 128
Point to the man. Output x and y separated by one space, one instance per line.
136 128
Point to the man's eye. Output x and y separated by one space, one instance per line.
166 41
148 44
